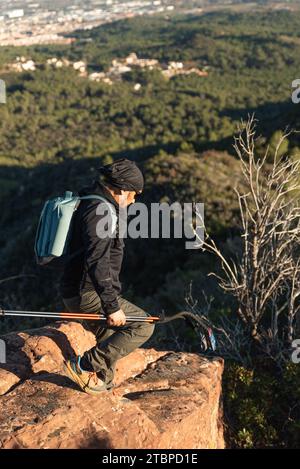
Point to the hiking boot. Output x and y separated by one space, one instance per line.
88 381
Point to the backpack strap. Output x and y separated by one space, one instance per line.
86 197
112 211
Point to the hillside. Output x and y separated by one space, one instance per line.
59 125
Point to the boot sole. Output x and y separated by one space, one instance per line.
74 377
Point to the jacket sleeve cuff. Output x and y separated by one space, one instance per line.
111 308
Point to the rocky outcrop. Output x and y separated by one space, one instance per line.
161 399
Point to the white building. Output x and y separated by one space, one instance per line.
176 65
29 66
59 64
51 61
119 69
80 66
96 76
131 59
15 13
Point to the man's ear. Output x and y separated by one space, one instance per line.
118 191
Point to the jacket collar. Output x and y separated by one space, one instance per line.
98 189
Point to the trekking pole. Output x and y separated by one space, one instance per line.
208 340
73 316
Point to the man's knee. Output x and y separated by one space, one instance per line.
147 330
90 302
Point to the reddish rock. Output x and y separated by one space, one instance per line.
181 394
164 400
44 349
10 375
135 363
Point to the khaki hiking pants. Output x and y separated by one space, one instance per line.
112 343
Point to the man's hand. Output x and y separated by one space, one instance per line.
116 319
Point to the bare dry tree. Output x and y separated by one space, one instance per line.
265 280
232 340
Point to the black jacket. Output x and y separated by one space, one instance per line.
98 266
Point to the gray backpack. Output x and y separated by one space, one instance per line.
54 228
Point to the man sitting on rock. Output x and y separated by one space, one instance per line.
90 282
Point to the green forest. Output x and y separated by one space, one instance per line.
57 128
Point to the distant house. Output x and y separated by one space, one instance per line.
118 68
80 66
58 63
22 64
17 13
100 76
96 76
131 59
29 66
176 65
